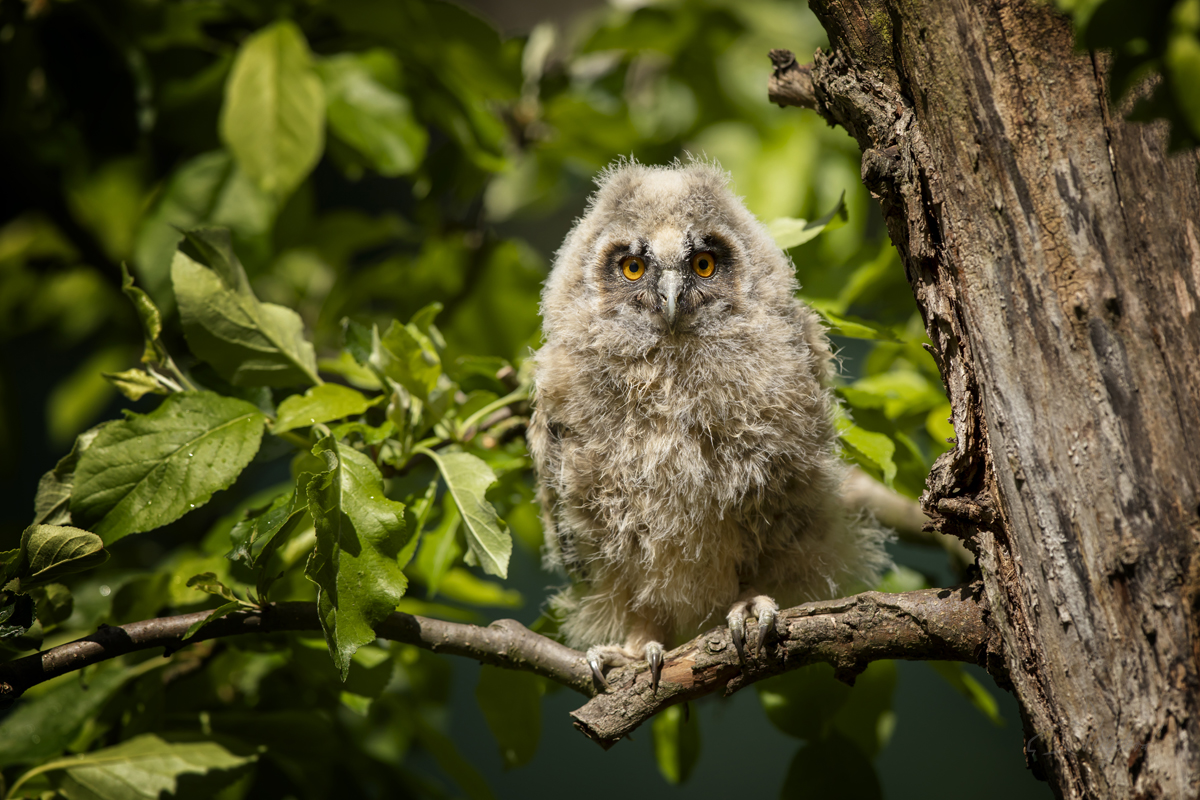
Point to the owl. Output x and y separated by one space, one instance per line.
683 432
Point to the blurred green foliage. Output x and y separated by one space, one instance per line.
371 192
1159 39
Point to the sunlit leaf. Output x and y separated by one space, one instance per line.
134 383
407 356
511 702
53 503
789 233
440 549
870 450
367 112
468 478
955 674
274 113
803 702
360 533
248 342
150 469
676 744
48 552
323 403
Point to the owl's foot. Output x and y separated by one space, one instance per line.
764 609
600 657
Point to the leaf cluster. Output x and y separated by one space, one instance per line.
296 248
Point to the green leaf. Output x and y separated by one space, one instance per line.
209 583
468 478
54 604
323 403
803 702
148 315
144 767
209 189
53 503
248 342
676 744
457 768
16 617
866 718
49 552
852 327
1182 61
834 767
938 424
274 113
461 585
903 391
44 723
511 702
367 112
222 610
135 383
360 533
150 469
965 684
256 537
789 233
870 450
407 356
440 549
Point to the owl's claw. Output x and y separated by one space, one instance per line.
763 609
595 660
737 632
766 626
654 657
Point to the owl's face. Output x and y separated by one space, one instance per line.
671 279
664 253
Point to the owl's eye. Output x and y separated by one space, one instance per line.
633 267
704 264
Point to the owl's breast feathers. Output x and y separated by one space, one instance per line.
690 441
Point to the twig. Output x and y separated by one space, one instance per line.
931 624
791 83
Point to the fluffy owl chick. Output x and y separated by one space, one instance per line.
682 428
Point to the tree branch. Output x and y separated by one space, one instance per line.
931 624
791 82
925 625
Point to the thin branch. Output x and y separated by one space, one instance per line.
901 514
791 82
504 643
931 624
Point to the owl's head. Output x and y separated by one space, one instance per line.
664 252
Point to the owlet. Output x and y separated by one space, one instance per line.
682 431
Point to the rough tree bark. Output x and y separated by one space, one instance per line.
1054 250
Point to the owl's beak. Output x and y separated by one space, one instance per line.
670 285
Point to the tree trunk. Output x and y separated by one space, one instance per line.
1054 250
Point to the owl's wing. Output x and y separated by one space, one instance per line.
546 438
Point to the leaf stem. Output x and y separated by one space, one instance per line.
518 394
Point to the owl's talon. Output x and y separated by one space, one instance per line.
654 656
766 626
596 662
737 632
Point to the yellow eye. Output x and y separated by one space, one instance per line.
704 264
633 267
